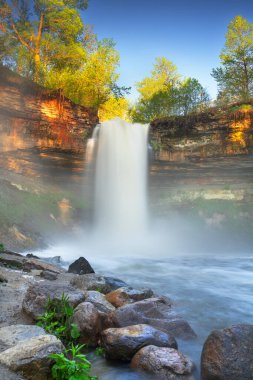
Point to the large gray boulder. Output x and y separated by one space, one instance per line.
157 312
88 320
163 363
122 343
96 282
228 354
36 297
99 301
30 357
127 294
14 334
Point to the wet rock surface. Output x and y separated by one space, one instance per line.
36 297
123 343
88 321
99 301
127 294
6 374
228 354
157 312
164 363
80 266
30 357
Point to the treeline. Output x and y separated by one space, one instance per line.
48 42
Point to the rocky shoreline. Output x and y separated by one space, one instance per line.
134 326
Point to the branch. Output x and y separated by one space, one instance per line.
21 40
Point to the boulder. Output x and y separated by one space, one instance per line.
127 294
157 312
15 261
88 321
91 282
164 363
6 374
36 297
47 275
3 279
80 266
31 356
114 283
228 354
123 343
14 334
99 301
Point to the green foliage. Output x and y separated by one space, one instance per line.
71 365
235 76
2 247
164 93
100 351
56 319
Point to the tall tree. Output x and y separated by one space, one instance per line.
40 34
235 76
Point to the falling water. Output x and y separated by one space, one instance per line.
121 177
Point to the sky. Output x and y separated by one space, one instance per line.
190 33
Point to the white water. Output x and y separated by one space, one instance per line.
121 178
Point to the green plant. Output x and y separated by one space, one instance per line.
2 247
100 351
56 319
71 365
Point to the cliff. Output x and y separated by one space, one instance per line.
212 133
35 116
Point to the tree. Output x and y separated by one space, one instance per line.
41 34
235 77
191 96
164 77
112 108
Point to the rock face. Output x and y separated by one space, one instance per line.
80 266
99 301
127 294
35 300
165 363
88 321
157 312
228 354
123 343
44 117
31 357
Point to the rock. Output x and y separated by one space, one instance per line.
165 363
15 261
47 275
114 283
80 266
3 278
6 374
127 294
123 343
99 301
157 312
32 256
31 356
36 297
91 282
88 321
228 354
14 334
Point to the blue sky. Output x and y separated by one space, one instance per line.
190 33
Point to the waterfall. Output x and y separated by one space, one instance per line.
121 177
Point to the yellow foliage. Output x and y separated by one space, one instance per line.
114 108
